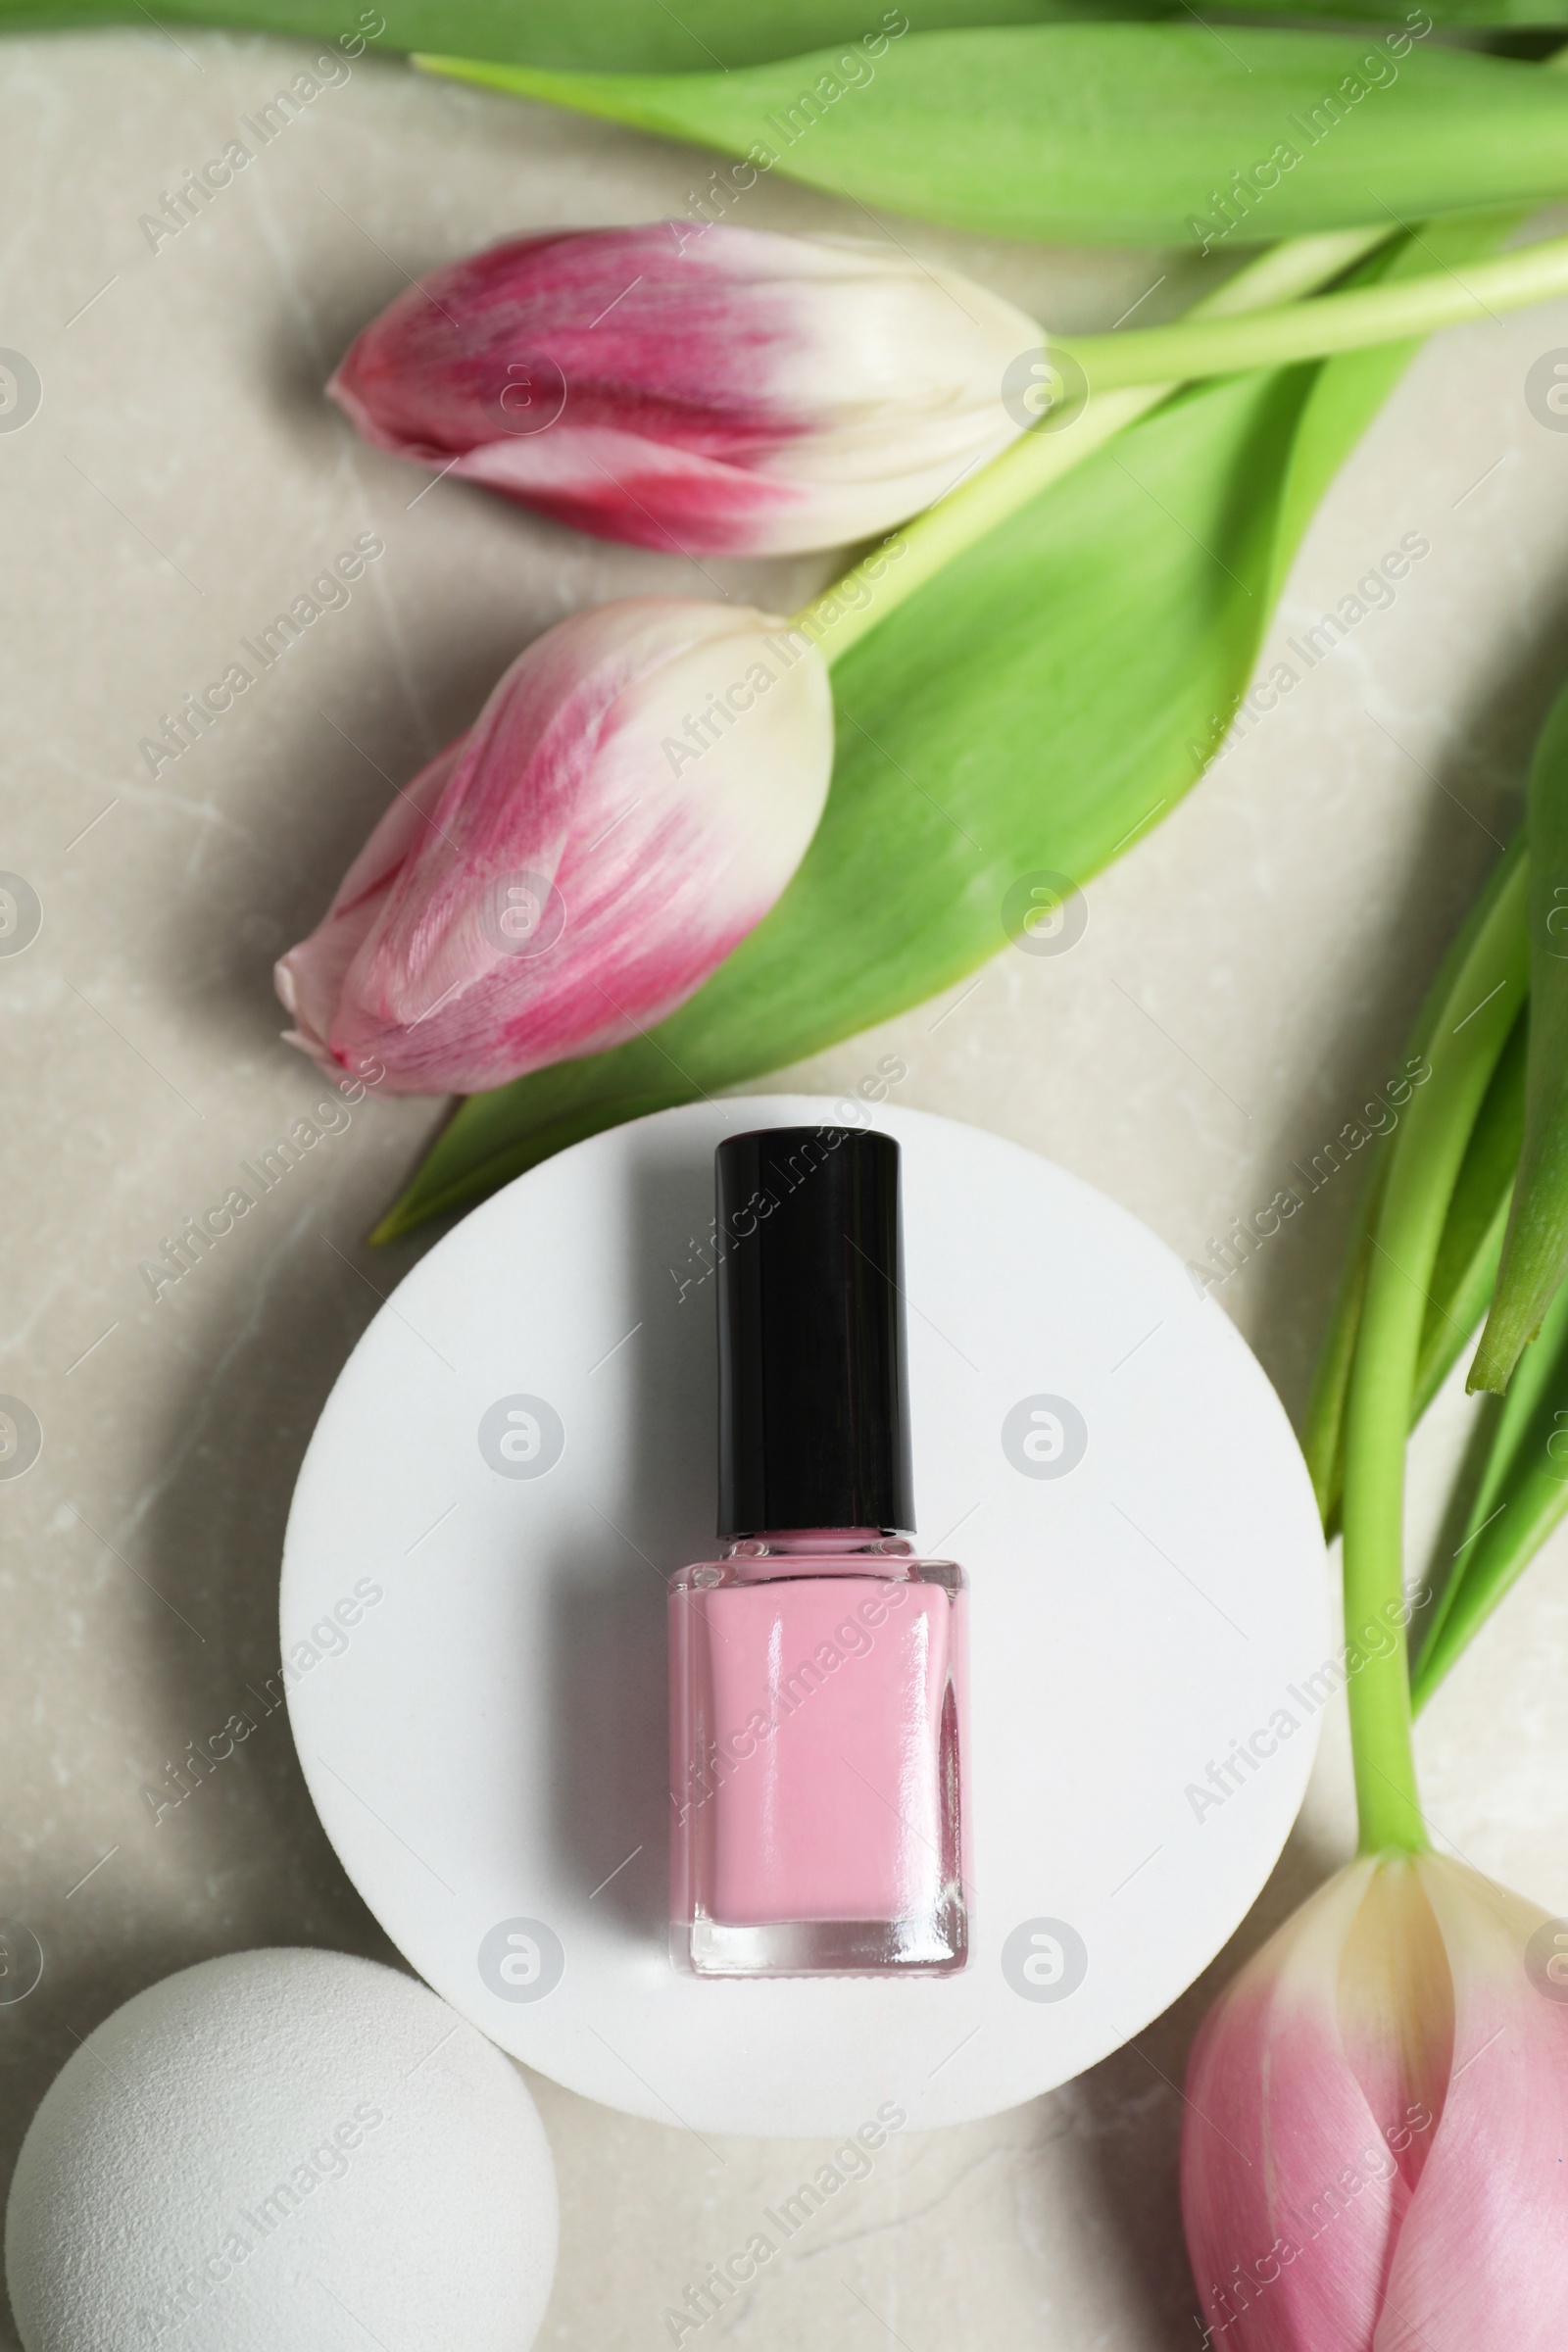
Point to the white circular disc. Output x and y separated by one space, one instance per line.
486 1738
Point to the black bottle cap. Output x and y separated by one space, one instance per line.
813 1412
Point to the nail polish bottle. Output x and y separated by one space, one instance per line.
817 1688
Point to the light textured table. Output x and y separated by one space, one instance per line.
1247 974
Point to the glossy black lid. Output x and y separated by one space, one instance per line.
813 1415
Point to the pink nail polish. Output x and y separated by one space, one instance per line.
816 1665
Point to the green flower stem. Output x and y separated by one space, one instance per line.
1323 1432
1311 330
1482 1004
1461 1280
881 581
1461 1284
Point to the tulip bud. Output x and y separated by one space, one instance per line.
1373 2143
632 799
729 391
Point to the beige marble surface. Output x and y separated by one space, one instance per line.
1248 972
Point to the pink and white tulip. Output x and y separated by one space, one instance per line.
631 802
732 392
1375 2148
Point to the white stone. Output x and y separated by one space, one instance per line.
282 2148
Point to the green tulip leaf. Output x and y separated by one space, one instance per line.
1052 692
645 37
1521 1496
1466 1268
1040 703
630 36
1534 1249
1467 1261
1462 1276
1124 133
1347 392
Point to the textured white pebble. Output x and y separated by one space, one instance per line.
283 2151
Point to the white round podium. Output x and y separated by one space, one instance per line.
474 1627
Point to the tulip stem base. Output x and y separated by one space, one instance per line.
903 564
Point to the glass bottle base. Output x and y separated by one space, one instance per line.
932 1946
816 1707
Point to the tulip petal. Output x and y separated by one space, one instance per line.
624 485
310 978
1401 2044
707 389
1395 1997
1481 2263
631 800
1290 2197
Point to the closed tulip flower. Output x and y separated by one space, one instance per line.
735 391
631 800
1375 2152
